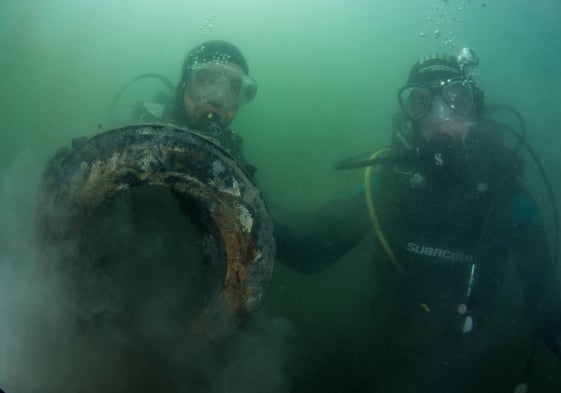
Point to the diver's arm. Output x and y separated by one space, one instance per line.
537 270
330 232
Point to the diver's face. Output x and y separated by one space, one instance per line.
442 120
205 95
441 107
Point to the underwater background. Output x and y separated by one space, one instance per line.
328 72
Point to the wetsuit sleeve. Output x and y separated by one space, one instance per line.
234 144
325 235
537 271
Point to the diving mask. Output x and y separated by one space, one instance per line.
417 100
221 83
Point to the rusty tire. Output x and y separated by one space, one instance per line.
78 180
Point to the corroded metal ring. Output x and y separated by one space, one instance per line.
78 180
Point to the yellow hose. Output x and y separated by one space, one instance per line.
372 211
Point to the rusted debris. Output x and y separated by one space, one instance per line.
78 180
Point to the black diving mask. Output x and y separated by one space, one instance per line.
417 100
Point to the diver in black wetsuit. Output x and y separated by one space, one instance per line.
214 83
450 215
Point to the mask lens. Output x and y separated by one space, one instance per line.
459 96
244 88
205 81
220 83
415 101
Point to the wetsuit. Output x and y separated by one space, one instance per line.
455 238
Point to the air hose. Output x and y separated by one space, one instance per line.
372 211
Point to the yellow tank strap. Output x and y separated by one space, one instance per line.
372 211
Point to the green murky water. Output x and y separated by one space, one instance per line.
327 74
